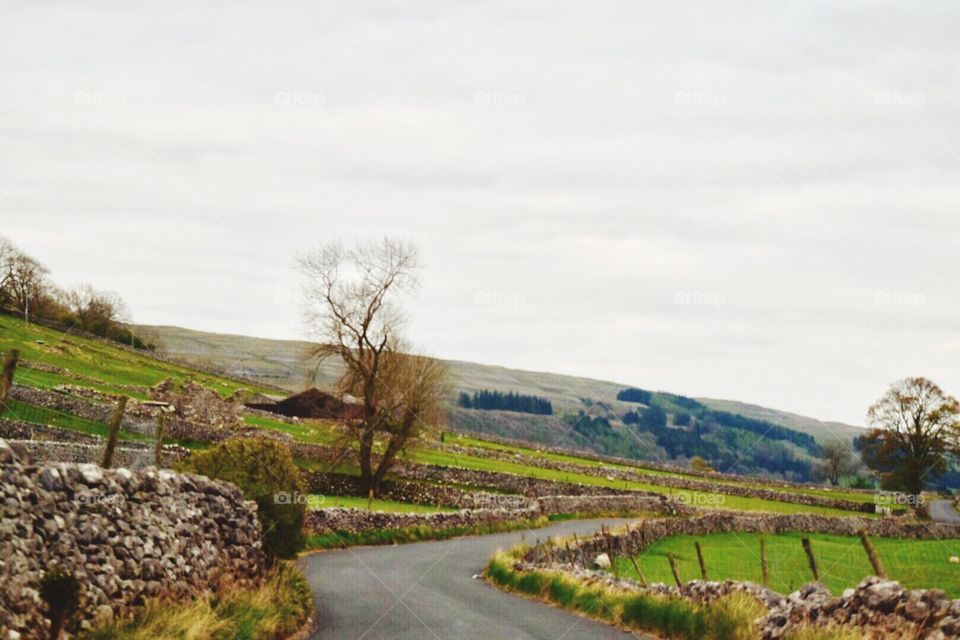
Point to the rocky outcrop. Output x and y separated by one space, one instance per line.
124 535
198 405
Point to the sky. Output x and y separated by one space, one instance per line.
755 201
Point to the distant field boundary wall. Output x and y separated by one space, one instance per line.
704 486
640 464
338 519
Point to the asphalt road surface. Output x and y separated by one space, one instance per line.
943 511
427 591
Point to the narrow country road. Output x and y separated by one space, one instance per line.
943 511
426 591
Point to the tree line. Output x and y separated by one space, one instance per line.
510 401
27 290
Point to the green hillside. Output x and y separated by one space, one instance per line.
96 364
587 414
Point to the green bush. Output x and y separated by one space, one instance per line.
733 617
265 472
61 591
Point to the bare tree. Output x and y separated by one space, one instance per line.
96 311
915 431
836 461
24 279
352 311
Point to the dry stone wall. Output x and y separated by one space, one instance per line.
52 444
124 535
491 509
720 484
876 608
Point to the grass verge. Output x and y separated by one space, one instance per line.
276 609
729 618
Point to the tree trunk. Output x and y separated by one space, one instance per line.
366 454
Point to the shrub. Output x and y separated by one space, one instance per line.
265 472
275 609
733 617
61 591
828 633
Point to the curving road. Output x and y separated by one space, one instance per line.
943 511
426 591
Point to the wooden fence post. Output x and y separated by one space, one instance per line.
763 561
636 567
810 558
703 566
114 431
9 366
676 572
872 553
158 446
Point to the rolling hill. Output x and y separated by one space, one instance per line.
281 363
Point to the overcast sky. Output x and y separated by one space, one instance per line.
755 201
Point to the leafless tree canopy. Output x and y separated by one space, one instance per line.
22 278
836 461
353 312
95 309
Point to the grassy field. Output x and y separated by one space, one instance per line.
841 560
110 369
311 432
102 366
350 502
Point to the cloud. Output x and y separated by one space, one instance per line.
785 172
